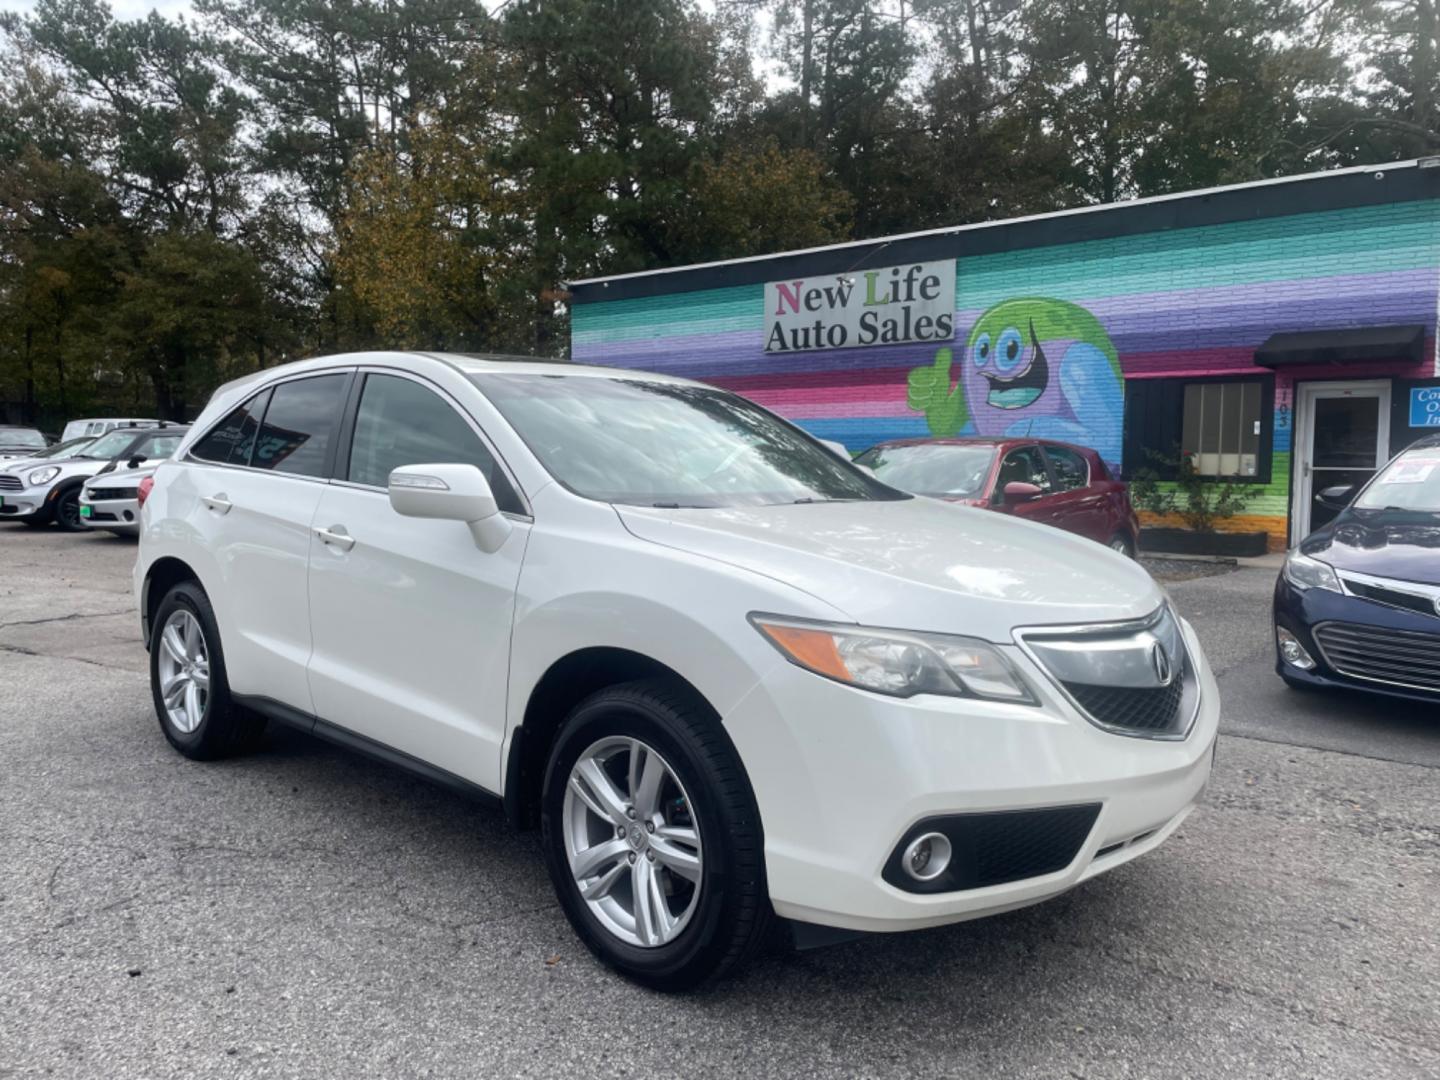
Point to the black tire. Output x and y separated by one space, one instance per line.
67 511
733 911
226 728
1123 544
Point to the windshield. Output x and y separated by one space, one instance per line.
646 443
61 451
22 437
111 444
1410 482
942 470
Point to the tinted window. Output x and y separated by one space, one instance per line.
650 443
1024 466
1070 468
401 423
298 426
230 442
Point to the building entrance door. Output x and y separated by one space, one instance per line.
1342 436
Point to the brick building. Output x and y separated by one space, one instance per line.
1280 331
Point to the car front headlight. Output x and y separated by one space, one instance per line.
896 662
1306 573
43 476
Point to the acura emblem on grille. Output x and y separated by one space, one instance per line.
1160 661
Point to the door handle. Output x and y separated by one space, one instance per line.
219 503
336 536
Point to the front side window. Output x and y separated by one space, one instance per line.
941 470
298 426
649 443
399 422
1024 466
231 441
1220 430
1071 470
1410 482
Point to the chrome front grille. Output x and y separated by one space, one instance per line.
104 494
1402 658
1410 595
10 483
1133 678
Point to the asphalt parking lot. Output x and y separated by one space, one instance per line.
303 912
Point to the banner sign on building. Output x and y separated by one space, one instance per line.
1425 406
891 305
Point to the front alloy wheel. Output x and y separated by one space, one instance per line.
652 836
631 842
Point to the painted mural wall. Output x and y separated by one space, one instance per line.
1045 337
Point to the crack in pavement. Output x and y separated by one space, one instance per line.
66 618
20 650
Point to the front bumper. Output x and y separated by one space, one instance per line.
842 776
25 503
1301 610
112 515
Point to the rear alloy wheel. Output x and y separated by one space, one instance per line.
652 837
1121 543
67 511
188 682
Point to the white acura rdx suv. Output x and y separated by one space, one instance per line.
727 673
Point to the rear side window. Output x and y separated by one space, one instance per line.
298 426
230 441
399 422
1071 471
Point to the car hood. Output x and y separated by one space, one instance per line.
916 564
1399 544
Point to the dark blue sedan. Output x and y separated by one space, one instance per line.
1358 603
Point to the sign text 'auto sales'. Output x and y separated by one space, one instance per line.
886 306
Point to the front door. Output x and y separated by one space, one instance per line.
411 621
1342 436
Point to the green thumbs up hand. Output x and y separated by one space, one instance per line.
929 391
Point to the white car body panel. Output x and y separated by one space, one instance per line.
416 639
256 556
411 632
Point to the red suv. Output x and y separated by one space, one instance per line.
1057 483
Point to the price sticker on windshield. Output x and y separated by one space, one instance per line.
1415 470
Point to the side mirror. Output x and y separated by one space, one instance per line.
136 461
1337 497
1017 491
450 492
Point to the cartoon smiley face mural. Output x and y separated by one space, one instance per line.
1032 366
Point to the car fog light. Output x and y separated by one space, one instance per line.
1291 649
927 856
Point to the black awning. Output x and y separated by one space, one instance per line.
1352 346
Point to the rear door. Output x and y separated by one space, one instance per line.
1077 506
411 620
253 484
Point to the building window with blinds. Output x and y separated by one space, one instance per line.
1221 426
